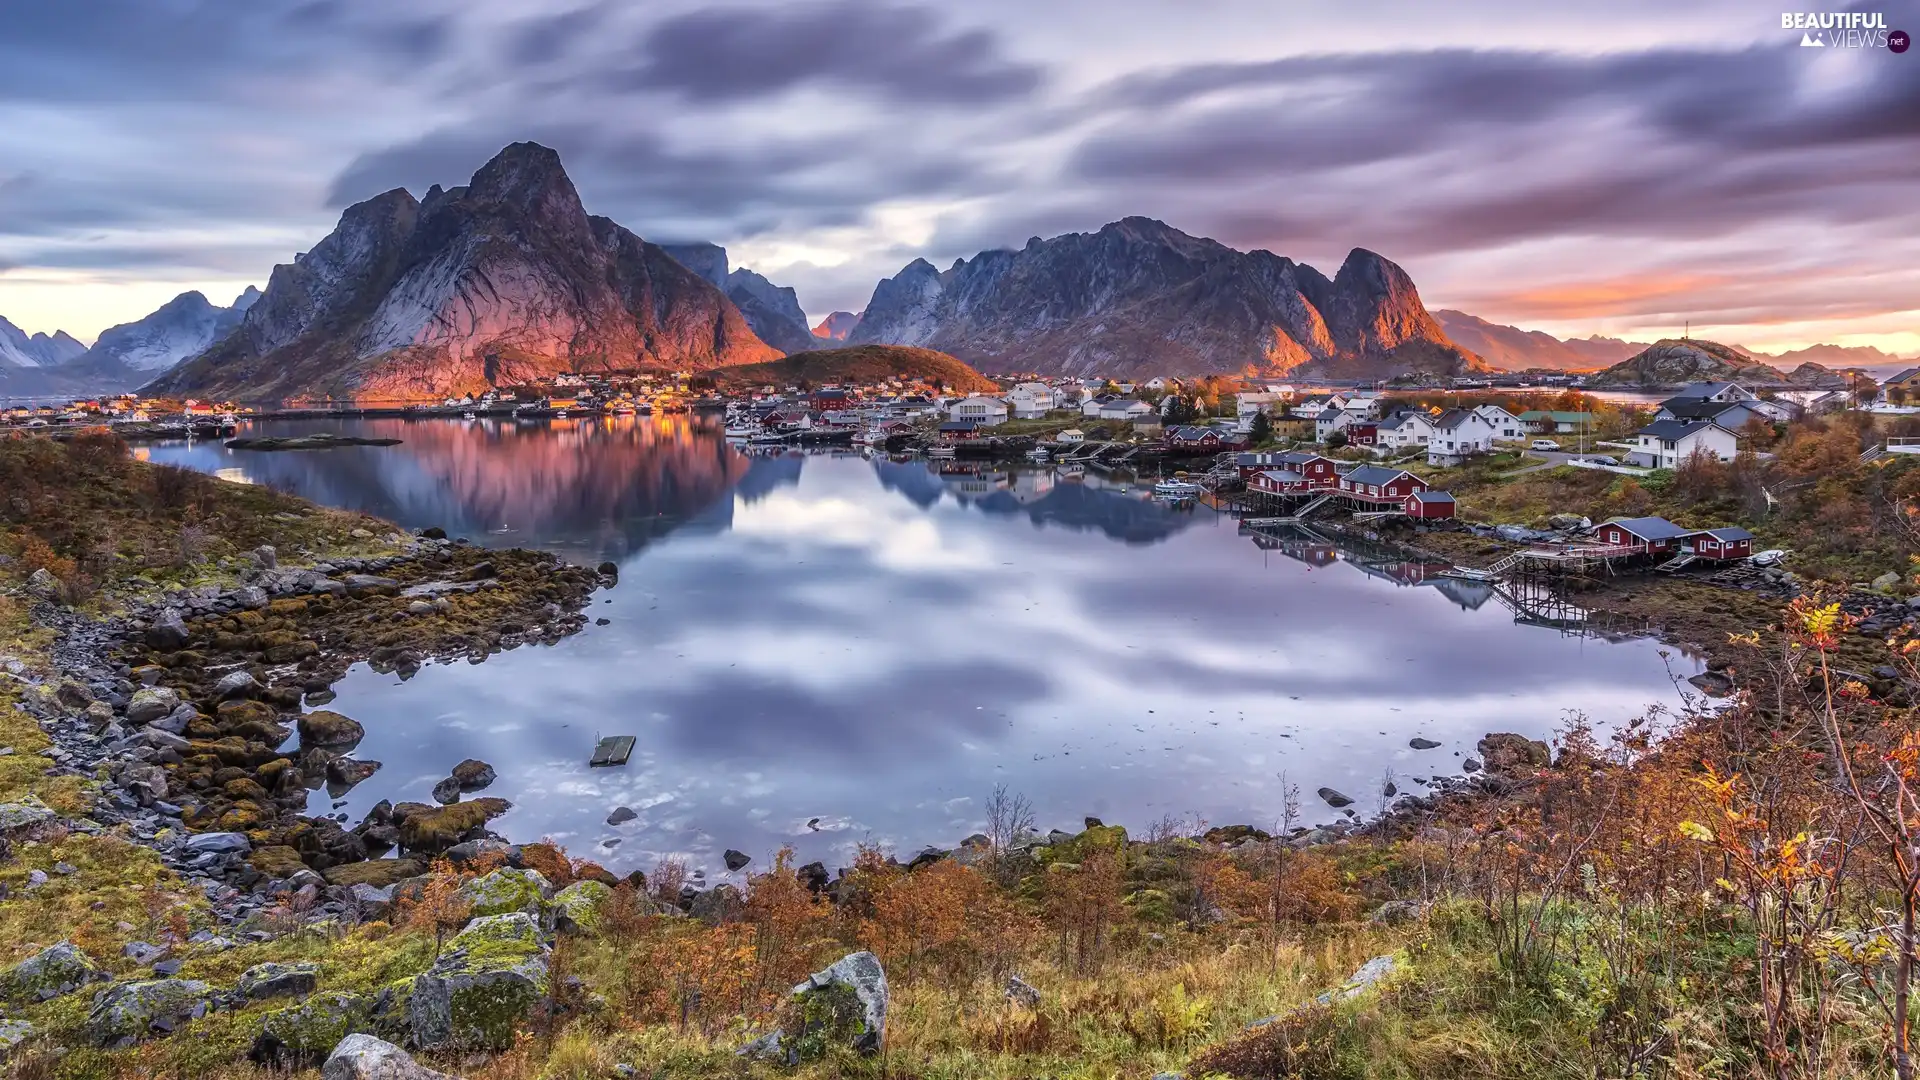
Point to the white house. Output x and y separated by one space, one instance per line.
1160 383
1330 421
979 410
1093 405
1408 427
1070 437
1364 404
1458 434
1128 409
1665 444
1506 426
1030 400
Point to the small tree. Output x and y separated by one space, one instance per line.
1261 432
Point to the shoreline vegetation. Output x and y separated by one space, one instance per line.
1722 891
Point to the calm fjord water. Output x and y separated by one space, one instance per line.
830 649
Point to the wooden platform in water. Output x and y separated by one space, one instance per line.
612 750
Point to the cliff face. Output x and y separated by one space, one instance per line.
506 280
1139 297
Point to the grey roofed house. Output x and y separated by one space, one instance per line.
1727 535
1453 418
1647 528
1401 416
1676 430
1434 496
1375 474
1296 457
1684 408
1901 376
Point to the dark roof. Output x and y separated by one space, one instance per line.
1902 376
1281 476
1677 429
1299 457
1648 528
1699 408
956 425
1194 432
1434 496
1376 474
1729 534
1455 417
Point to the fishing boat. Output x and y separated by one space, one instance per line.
766 438
742 431
940 453
1176 490
1038 455
872 437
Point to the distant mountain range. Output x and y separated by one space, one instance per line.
124 356
508 280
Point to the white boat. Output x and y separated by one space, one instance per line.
1037 455
766 438
872 437
469 415
560 414
1176 490
940 453
741 431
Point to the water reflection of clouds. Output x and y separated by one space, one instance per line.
862 644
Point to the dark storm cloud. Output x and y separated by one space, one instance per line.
1706 142
134 50
906 54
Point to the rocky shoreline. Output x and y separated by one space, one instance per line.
187 705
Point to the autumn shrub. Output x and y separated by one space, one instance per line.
946 918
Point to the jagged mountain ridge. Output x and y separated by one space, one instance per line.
23 350
506 280
773 311
1139 298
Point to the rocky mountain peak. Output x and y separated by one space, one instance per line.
1139 296
837 326
504 281
707 260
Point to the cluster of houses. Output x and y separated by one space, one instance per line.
1377 488
119 409
1363 418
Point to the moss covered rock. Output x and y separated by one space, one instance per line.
278 861
505 891
12 1034
844 1006
324 727
50 973
485 987
576 908
126 1013
433 830
304 1034
271 980
378 873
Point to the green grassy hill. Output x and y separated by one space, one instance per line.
858 364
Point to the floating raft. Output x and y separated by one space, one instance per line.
613 750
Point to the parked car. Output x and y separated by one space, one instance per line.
1543 444
1602 459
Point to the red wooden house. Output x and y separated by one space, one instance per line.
1322 473
1279 482
1720 544
1641 536
1363 432
1430 505
1377 483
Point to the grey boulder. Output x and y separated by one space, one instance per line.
363 1057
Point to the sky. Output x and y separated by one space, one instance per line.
1624 168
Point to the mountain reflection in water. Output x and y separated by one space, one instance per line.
819 650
